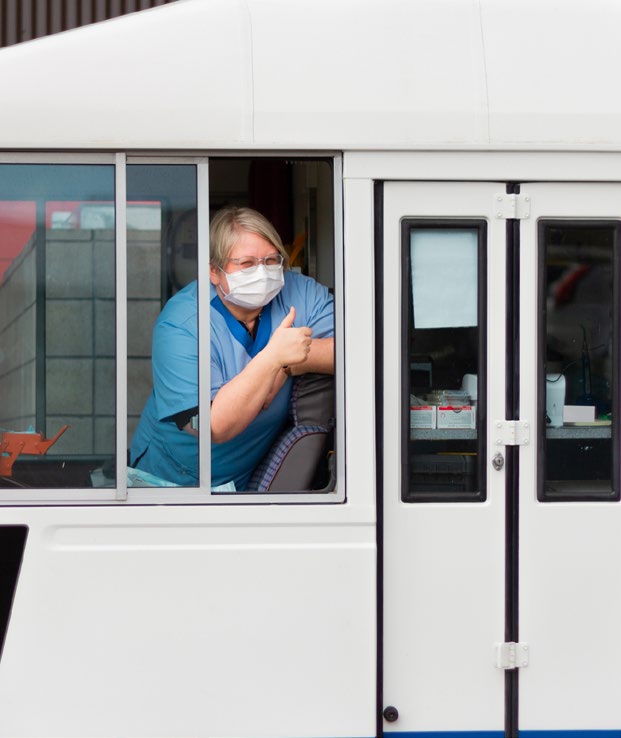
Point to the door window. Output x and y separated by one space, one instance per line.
444 264
578 346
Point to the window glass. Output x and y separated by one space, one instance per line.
578 344
57 329
443 361
162 260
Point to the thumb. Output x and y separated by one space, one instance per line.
288 319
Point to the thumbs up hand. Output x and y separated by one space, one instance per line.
289 345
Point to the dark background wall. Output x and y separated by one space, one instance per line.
23 20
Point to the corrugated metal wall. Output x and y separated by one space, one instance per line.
22 20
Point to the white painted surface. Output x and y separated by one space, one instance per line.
192 621
443 563
570 591
169 621
176 76
322 74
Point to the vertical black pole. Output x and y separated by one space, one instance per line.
379 443
512 405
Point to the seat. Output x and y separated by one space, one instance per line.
300 459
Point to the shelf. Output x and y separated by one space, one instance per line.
579 431
466 434
443 434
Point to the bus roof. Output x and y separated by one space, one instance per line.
322 75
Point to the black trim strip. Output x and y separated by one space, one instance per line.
379 441
512 459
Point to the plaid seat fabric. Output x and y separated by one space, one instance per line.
310 414
271 464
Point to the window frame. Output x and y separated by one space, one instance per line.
202 494
481 226
60 495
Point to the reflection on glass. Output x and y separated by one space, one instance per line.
57 302
578 339
443 366
162 347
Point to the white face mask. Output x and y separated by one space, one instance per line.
255 287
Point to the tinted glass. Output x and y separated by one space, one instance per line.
578 340
444 369
57 329
162 259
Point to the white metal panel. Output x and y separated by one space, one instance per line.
357 73
192 621
359 342
443 563
570 591
550 68
332 74
506 165
176 76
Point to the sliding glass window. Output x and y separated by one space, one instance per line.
57 324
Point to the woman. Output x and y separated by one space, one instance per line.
267 325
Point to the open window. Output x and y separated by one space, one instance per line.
296 196
59 317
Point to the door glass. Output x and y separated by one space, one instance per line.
444 264
578 347
57 346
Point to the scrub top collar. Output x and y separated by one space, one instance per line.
239 332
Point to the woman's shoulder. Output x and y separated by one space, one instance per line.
307 296
182 307
299 285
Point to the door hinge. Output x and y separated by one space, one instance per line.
511 433
511 206
511 655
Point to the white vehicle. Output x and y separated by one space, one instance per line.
451 169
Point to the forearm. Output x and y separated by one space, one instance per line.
320 358
239 401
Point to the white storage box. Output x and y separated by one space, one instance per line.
423 416
463 416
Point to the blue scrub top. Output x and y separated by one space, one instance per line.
158 446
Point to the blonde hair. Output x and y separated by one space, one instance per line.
226 226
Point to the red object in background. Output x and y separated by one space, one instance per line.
13 444
17 224
18 221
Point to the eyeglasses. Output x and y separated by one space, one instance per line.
247 262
